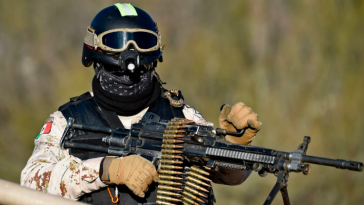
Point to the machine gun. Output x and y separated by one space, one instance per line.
167 144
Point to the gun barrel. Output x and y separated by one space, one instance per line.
93 128
85 147
338 163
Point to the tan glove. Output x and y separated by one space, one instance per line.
136 172
239 117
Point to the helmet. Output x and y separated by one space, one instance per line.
122 36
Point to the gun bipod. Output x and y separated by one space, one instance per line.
281 185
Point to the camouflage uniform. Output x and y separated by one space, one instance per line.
53 170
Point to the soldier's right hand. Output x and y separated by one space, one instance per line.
136 172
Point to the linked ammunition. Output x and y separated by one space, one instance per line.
172 136
189 189
188 183
193 197
170 188
199 176
184 198
164 166
169 182
167 161
172 146
172 151
172 141
161 176
198 170
168 193
164 203
168 198
169 156
169 172
189 178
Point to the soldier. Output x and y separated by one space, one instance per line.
124 45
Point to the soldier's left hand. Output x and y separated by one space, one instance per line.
238 117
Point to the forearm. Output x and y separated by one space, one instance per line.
70 177
52 170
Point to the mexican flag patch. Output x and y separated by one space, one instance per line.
46 129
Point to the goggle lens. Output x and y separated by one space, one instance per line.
119 39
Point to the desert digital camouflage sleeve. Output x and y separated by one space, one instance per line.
52 170
192 114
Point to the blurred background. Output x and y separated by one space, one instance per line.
298 64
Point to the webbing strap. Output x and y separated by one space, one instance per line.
126 9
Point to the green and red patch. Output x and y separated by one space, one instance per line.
46 129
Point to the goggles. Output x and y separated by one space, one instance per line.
118 40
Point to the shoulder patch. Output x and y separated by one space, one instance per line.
46 129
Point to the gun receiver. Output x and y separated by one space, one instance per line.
168 143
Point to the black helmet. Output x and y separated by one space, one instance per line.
120 35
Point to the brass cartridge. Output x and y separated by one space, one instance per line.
198 170
172 136
161 176
174 123
168 193
169 182
169 172
188 183
167 161
164 166
199 176
169 156
184 198
173 131
188 122
193 197
172 141
172 146
170 188
178 119
172 151
208 168
189 178
168 198
189 189
178 123
175 127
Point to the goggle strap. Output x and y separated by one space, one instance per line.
90 39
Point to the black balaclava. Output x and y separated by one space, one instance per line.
123 94
123 85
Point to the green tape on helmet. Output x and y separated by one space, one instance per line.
126 9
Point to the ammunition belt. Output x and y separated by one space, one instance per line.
177 184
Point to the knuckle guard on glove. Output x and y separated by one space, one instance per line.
134 171
238 117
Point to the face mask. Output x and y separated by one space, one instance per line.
123 85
